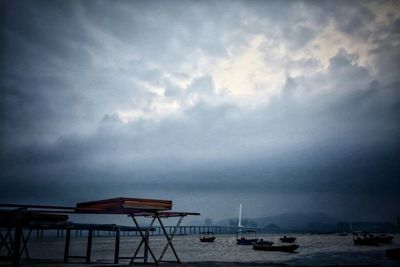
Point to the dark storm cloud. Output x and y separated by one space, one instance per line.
349 17
68 69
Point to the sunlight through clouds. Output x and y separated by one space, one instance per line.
251 75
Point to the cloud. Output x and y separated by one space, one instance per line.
219 99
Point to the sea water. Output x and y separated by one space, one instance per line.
314 249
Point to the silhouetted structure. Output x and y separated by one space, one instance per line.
18 221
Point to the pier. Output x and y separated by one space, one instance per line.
132 231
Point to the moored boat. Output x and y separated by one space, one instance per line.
270 247
371 239
247 237
207 237
384 239
365 239
262 242
286 239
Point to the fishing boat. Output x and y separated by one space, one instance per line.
287 239
270 247
365 239
207 237
262 242
244 237
371 239
384 239
247 237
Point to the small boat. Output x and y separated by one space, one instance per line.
384 239
262 242
207 237
286 239
393 253
365 239
371 239
247 237
270 247
342 234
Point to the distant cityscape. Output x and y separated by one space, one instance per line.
313 222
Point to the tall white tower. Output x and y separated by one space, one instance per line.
240 216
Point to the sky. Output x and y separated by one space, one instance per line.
283 106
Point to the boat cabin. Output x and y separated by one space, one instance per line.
247 237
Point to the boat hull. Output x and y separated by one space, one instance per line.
287 248
288 239
246 242
385 239
366 242
207 239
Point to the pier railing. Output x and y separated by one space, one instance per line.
156 230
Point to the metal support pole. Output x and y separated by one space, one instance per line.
17 246
169 239
89 246
67 241
24 243
144 240
116 252
5 242
146 251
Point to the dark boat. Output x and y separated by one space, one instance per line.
247 237
371 239
384 239
393 253
286 239
262 242
207 237
268 247
342 234
365 239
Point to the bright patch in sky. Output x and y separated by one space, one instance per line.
251 76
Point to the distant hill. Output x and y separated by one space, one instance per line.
293 221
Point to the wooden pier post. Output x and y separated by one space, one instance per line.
17 245
146 251
89 246
116 251
66 249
